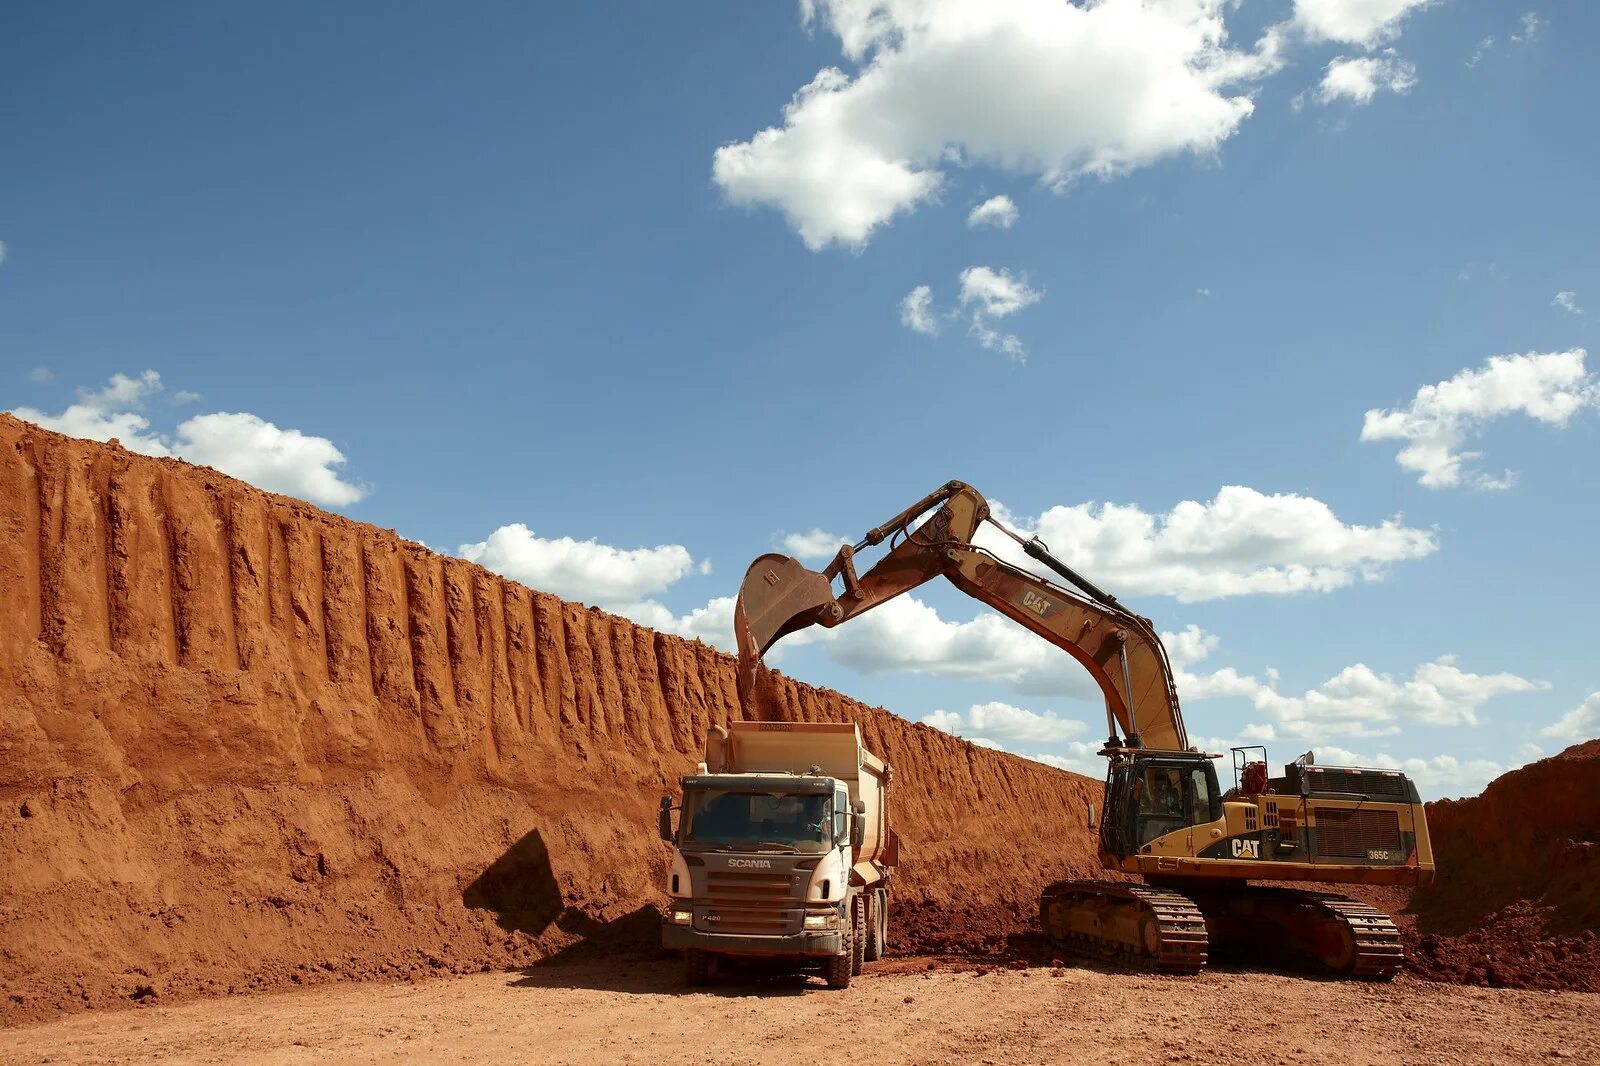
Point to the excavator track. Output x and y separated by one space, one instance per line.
1147 928
1345 938
1378 954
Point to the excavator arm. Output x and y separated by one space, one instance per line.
1120 650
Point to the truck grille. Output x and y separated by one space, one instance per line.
749 904
1350 833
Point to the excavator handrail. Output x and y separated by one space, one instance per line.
1121 649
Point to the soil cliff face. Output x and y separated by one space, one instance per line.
1517 901
246 743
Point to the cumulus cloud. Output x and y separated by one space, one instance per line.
1054 90
1242 542
1441 775
237 443
988 295
1361 78
1568 302
1580 723
1548 387
815 544
996 211
580 569
1356 702
1003 722
916 311
1363 22
712 623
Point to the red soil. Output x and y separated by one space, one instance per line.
247 744
1517 902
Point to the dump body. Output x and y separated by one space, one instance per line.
783 848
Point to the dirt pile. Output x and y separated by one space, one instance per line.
1517 902
245 743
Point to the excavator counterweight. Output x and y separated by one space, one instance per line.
1164 818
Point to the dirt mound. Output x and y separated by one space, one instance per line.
245 744
1517 902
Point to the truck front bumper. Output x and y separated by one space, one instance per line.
818 942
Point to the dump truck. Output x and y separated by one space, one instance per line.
782 850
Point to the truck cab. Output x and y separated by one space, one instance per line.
782 852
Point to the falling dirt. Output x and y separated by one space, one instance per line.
246 744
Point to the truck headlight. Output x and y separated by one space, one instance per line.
821 921
682 917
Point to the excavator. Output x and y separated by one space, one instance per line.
1192 865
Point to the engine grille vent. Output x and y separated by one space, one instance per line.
1357 782
1349 833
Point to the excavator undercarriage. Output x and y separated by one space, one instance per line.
1165 821
1170 928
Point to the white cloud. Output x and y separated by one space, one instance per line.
238 444
1361 78
1568 302
41 375
1441 775
995 292
279 460
580 569
1242 542
712 623
1001 722
1355 702
1532 26
2 253
907 635
1202 292
1580 723
1479 52
815 544
1549 387
997 211
1050 89
1079 758
916 311
988 295
1364 22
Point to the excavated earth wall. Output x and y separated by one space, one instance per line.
245 744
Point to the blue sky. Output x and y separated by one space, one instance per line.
512 265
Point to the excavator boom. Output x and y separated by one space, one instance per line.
1119 649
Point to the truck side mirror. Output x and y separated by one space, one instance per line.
666 818
858 824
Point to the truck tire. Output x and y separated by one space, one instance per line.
696 968
877 926
838 967
858 933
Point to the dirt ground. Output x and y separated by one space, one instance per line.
901 1011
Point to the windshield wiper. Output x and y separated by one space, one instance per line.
758 845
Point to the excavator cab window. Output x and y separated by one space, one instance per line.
1162 795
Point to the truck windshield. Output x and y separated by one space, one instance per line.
800 823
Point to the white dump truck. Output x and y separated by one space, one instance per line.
782 850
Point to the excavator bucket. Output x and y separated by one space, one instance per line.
778 596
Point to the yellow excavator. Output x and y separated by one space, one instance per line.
1200 853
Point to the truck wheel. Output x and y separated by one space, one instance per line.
858 933
877 926
838 967
696 968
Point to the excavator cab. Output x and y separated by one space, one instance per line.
1151 794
